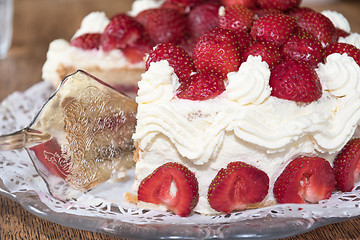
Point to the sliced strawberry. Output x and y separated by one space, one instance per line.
217 52
273 28
201 86
123 30
347 166
156 188
165 25
295 81
236 17
268 52
87 41
282 5
316 23
237 186
135 52
50 155
246 3
342 48
303 46
305 179
203 18
176 56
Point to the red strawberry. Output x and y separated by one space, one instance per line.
87 41
246 3
236 186
203 18
180 8
123 30
273 28
347 166
165 25
341 48
282 5
186 3
136 52
201 86
305 179
268 52
341 33
260 12
217 52
155 188
303 46
244 39
176 56
295 81
50 155
316 23
236 17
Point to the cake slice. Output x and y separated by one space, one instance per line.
255 126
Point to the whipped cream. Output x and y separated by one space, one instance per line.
353 38
338 20
94 22
261 130
142 5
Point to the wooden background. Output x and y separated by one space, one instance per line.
36 24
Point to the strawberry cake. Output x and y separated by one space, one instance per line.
113 49
264 110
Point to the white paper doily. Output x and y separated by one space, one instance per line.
104 210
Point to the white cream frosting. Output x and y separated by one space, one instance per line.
338 20
142 5
251 83
340 75
94 22
266 132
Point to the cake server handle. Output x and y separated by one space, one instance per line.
22 139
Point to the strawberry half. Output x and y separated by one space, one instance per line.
246 3
176 56
217 52
295 81
268 52
342 48
273 28
347 166
123 30
135 52
316 23
50 155
236 17
165 25
156 188
305 179
237 186
87 41
201 86
303 46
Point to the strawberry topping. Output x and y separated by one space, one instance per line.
165 25
305 179
176 56
316 23
157 188
347 166
303 46
273 28
236 17
342 48
246 3
201 86
217 52
87 41
237 186
282 5
268 52
295 81
123 30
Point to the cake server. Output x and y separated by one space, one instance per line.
82 136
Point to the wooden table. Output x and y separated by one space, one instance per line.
36 24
